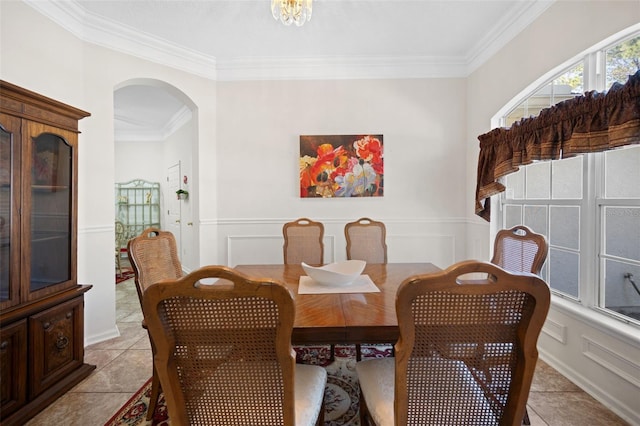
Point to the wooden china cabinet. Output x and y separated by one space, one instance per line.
41 303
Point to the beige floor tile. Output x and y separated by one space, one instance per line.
81 409
572 409
143 343
547 379
126 373
534 418
134 317
100 358
130 333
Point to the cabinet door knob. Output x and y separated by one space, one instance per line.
69 314
62 342
4 345
46 325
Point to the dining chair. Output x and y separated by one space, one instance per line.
223 351
154 256
450 328
519 249
303 242
366 240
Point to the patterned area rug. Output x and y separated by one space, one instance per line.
126 274
341 394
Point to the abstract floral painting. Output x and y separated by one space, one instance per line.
341 166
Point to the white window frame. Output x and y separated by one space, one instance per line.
591 286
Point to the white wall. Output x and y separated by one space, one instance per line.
139 160
601 355
52 62
259 124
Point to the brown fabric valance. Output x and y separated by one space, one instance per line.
589 123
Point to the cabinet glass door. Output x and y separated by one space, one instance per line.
5 213
51 207
9 217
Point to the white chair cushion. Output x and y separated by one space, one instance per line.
310 382
377 384
377 377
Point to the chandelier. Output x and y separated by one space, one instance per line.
291 11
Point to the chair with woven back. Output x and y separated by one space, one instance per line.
303 242
154 257
519 249
223 351
450 327
366 240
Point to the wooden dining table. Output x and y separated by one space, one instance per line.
349 318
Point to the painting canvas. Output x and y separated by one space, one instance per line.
341 166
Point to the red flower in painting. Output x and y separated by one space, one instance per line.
327 154
370 150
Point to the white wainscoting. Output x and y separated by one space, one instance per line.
599 355
260 241
555 330
437 249
613 361
265 249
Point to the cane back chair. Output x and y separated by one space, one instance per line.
366 240
466 353
303 242
519 249
224 355
154 257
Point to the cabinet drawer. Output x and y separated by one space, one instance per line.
56 337
13 367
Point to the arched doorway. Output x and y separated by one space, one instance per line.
155 131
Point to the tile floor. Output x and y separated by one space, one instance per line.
124 365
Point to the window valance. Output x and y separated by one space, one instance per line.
589 123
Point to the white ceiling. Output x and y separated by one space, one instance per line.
239 39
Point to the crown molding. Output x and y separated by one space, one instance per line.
505 31
106 33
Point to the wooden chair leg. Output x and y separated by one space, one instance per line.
320 421
364 412
155 395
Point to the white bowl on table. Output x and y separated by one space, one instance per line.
338 273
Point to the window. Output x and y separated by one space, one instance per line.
563 87
619 219
587 206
